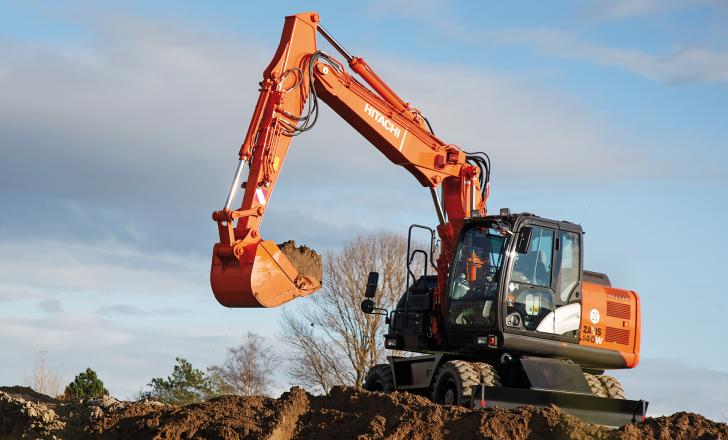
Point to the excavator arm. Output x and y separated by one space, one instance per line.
248 271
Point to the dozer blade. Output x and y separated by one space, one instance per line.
261 277
592 409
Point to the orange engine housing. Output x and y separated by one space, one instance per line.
610 319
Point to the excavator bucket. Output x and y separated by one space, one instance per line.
264 274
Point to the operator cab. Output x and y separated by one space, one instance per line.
510 274
514 274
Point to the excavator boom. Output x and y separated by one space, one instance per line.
248 271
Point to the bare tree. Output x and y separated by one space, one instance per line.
247 368
315 362
333 342
43 379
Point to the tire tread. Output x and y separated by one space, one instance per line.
612 386
467 374
596 385
382 373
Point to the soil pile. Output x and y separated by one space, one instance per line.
306 260
346 413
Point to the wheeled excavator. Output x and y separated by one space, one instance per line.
498 308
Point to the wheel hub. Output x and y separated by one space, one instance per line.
449 398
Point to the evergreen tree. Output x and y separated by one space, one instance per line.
186 385
85 385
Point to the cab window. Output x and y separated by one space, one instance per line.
530 297
569 263
534 267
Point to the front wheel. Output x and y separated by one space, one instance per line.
379 378
455 380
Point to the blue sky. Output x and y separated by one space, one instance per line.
119 128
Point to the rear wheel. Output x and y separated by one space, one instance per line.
612 387
379 378
455 380
596 385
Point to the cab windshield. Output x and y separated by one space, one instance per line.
474 282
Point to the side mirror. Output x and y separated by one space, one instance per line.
367 306
524 240
372 282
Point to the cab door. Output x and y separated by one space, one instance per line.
530 298
474 286
567 284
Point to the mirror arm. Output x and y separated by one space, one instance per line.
380 311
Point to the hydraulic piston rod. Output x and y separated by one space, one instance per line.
234 185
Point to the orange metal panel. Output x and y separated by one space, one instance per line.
610 319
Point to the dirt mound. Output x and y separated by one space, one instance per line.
679 426
23 416
306 260
355 413
346 413
28 393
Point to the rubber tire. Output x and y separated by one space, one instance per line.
596 385
612 386
453 384
488 374
379 378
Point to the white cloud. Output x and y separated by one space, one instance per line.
532 134
131 310
126 356
628 9
138 131
681 64
634 8
677 63
97 270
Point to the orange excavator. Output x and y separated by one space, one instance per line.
506 315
